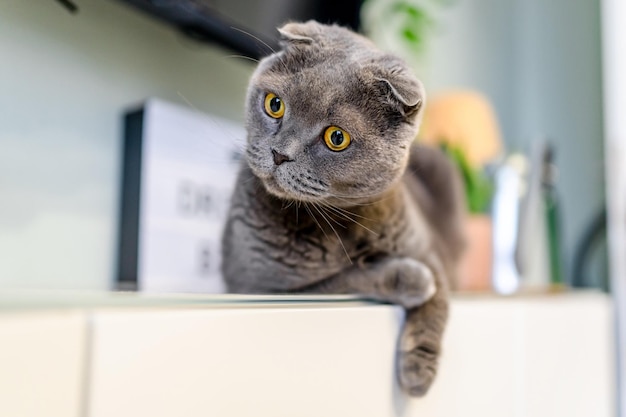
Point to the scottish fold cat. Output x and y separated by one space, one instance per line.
334 196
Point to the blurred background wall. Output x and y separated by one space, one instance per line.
65 81
539 63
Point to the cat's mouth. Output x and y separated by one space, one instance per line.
291 188
288 183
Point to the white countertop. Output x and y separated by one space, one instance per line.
103 354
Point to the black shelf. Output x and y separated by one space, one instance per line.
204 21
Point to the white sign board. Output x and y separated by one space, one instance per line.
188 165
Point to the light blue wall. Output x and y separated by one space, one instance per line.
65 81
558 95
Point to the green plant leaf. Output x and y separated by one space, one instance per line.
410 35
478 188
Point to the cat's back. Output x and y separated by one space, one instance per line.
435 184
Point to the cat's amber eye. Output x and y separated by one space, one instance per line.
274 106
336 138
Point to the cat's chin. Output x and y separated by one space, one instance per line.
272 187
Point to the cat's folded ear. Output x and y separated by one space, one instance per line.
402 84
299 33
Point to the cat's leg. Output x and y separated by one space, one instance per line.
420 345
404 281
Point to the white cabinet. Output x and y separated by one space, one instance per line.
519 356
538 356
42 364
245 362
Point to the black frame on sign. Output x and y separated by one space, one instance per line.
128 234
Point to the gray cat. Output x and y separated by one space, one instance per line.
333 197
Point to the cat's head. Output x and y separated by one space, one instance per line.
330 118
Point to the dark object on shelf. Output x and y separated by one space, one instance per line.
552 213
593 238
69 6
246 26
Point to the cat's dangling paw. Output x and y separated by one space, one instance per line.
417 368
407 282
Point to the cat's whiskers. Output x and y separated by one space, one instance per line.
249 58
254 37
348 212
308 210
334 231
278 55
323 208
289 204
346 216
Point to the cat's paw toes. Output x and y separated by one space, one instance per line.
417 369
411 282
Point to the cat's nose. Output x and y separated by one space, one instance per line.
279 158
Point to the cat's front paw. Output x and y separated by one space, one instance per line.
408 282
417 368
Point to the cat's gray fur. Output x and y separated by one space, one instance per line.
380 218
